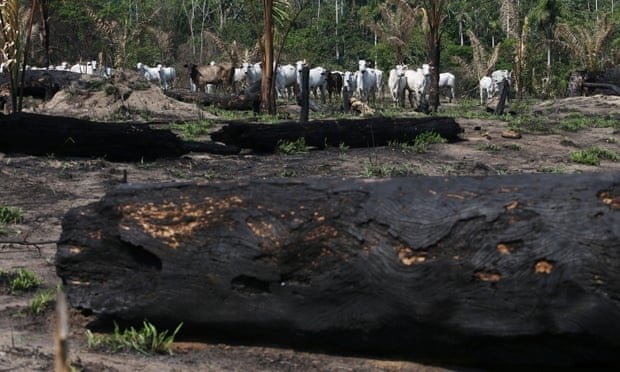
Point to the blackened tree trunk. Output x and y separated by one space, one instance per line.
268 99
504 271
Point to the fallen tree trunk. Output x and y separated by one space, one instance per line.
321 133
226 101
492 271
43 135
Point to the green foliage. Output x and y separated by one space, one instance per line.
492 147
376 169
420 144
23 280
146 340
593 156
10 215
192 129
292 147
40 302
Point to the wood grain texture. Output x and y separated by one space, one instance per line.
486 271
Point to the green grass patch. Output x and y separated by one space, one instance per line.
420 144
491 147
192 129
22 280
593 155
146 340
292 147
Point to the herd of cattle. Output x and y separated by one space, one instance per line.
366 83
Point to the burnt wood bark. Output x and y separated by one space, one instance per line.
376 131
42 135
42 84
488 271
224 101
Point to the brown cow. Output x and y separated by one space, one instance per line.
219 75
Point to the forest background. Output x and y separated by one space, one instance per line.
542 39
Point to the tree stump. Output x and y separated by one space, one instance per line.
519 270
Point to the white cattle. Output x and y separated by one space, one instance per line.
149 73
396 84
349 81
286 80
253 72
88 68
487 89
416 82
317 80
167 75
447 80
367 81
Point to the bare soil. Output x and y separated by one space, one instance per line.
47 187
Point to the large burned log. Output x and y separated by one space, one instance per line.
491 271
43 135
223 101
587 83
370 132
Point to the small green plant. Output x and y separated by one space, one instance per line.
513 146
10 215
193 129
292 147
23 280
420 144
373 169
556 169
488 147
40 301
593 156
145 340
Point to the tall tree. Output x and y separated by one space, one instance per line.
588 43
545 16
434 15
398 19
268 99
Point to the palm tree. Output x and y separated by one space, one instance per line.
587 43
545 16
396 25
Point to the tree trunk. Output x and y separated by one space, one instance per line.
43 135
268 99
494 272
320 133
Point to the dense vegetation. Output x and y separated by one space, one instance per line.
543 39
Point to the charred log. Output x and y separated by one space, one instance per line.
43 135
224 101
495 272
320 133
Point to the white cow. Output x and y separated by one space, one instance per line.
149 73
253 72
167 75
447 80
367 81
487 89
396 84
88 68
416 82
317 80
286 81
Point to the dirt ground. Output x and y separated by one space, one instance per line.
45 188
